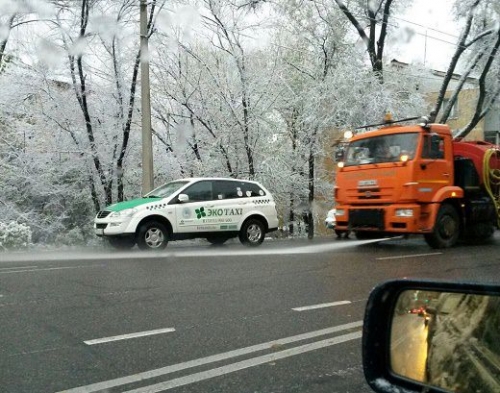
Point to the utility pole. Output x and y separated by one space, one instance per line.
147 137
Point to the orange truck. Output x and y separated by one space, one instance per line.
416 179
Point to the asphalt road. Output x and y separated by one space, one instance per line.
409 346
285 317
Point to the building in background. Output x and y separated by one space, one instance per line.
429 81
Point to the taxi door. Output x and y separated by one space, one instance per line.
193 215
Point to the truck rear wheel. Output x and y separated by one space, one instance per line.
479 233
446 229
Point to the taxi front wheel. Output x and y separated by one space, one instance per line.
152 235
252 232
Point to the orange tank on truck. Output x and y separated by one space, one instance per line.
415 179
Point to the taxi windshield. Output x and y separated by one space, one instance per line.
166 189
379 149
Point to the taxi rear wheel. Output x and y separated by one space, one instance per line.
252 232
152 235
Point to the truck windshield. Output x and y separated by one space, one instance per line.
166 189
377 149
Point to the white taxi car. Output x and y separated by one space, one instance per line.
213 208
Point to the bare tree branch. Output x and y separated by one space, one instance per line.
454 61
483 92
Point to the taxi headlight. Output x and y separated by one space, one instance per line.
123 213
404 212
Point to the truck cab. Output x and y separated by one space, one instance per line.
401 180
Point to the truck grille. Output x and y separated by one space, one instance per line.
371 195
103 214
366 218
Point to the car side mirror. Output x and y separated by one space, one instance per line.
434 337
183 198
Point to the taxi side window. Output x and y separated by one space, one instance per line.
233 189
226 189
201 191
252 190
433 147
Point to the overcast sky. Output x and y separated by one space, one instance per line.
426 34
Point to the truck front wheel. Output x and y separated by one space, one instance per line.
446 229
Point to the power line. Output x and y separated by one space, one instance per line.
425 27
439 39
465 47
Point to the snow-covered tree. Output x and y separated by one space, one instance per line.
371 20
478 50
216 86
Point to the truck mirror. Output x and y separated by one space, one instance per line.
339 153
433 337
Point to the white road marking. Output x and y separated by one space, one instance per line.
129 336
216 372
209 359
17 268
323 305
45 269
410 256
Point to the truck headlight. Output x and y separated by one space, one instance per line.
123 213
339 212
404 212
